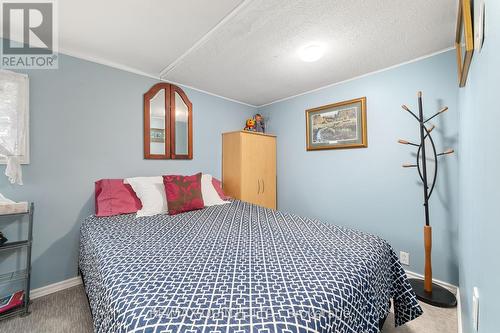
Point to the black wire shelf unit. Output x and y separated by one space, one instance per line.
21 274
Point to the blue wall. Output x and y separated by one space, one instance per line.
480 180
366 188
86 124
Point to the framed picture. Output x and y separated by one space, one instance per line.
157 135
479 28
337 126
464 41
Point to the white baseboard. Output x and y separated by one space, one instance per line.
459 312
449 286
55 287
454 289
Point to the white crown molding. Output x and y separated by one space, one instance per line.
204 38
209 93
129 69
108 63
359 76
55 287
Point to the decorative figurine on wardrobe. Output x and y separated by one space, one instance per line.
250 125
260 126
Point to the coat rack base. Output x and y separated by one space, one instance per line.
440 297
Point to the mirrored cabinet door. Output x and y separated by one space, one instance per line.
157 122
181 125
157 130
168 130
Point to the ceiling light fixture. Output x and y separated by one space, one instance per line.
311 52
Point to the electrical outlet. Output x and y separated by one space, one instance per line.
404 257
475 309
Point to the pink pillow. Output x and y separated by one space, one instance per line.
183 193
218 187
113 197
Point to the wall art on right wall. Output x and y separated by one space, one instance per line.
464 41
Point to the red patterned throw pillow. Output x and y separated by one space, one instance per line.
183 193
113 197
218 187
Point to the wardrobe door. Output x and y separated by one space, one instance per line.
259 170
232 164
251 168
268 174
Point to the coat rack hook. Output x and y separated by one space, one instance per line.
408 110
437 113
446 152
404 142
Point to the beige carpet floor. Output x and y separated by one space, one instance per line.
67 311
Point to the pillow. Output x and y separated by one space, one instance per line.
210 195
151 192
113 197
218 187
183 193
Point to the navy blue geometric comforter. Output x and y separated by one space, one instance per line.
239 268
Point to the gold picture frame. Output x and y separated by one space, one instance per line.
464 41
337 126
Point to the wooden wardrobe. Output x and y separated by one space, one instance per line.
249 167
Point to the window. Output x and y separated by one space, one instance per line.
14 113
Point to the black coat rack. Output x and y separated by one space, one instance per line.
427 291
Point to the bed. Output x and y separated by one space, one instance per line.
239 268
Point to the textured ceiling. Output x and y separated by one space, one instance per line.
247 49
142 35
253 57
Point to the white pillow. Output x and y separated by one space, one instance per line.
151 192
210 195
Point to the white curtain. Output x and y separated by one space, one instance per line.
14 140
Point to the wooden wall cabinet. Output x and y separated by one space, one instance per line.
249 167
168 123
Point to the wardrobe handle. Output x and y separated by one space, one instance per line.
258 189
263 188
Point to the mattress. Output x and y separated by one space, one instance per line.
239 268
